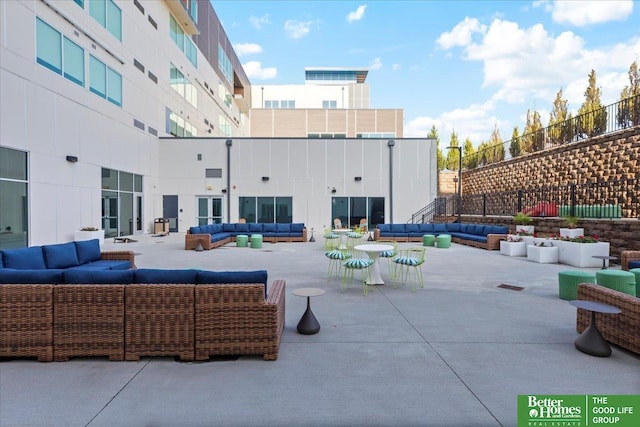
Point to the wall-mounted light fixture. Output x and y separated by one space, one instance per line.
72 159
265 178
333 190
358 178
224 190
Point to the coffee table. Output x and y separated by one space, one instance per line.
604 259
591 341
308 324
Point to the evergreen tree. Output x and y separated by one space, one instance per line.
592 116
433 134
514 147
452 155
532 137
629 106
469 161
496 145
559 130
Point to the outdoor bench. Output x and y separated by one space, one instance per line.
478 235
214 235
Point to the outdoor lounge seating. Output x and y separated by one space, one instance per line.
478 235
214 235
127 314
622 329
630 259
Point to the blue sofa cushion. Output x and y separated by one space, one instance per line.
228 227
426 228
384 228
464 228
1 264
255 227
634 264
269 227
453 227
216 228
297 227
412 228
440 227
88 251
283 228
43 276
152 275
499 229
103 264
30 258
61 255
398 228
195 230
206 229
116 277
220 236
242 228
233 277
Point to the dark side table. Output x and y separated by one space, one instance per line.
604 259
308 324
591 341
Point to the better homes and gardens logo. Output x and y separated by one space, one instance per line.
578 410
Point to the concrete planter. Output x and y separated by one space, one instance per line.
542 254
571 232
581 254
513 248
89 235
525 228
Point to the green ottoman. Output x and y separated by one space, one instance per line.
428 240
443 241
636 272
619 280
568 283
242 240
256 241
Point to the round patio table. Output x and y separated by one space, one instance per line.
308 324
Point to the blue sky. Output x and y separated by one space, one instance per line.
459 65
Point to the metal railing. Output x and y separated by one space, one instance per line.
621 115
604 199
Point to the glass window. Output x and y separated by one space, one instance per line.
13 214
267 104
224 64
114 19
193 6
340 209
98 10
109 179
265 207
114 87
358 210
97 77
284 210
376 211
48 46
247 208
80 3
73 62
191 51
13 164
173 30
126 181
137 183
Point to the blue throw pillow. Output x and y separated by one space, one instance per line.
1 264
398 228
62 255
297 227
195 230
453 227
283 228
412 228
228 227
152 275
634 264
426 228
44 276
233 277
242 228
30 258
116 277
216 228
88 251
440 227
464 228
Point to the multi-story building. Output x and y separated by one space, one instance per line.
114 113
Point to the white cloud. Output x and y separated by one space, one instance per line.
254 70
247 48
297 29
586 12
395 67
376 64
461 33
259 21
357 14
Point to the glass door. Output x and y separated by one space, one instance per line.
209 210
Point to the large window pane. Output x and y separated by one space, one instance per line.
216 207
13 164
265 209
97 77
358 210
191 52
114 19
114 87
376 211
13 214
137 183
73 62
109 179
126 214
126 181
110 212
340 210
48 46
284 210
248 208
98 11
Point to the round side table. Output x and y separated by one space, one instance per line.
308 324
591 341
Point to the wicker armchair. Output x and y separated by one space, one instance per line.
620 329
627 256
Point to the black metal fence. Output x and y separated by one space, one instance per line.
621 115
606 199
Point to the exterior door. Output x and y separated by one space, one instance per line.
170 211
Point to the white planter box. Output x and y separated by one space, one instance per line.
581 254
513 248
525 228
89 235
571 232
542 254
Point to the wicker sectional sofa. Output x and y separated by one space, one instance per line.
478 235
214 235
128 314
621 329
630 259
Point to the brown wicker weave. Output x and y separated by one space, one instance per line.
237 320
159 321
88 321
191 240
621 329
120 256
627 256
26 321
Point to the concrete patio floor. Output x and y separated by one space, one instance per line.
456 353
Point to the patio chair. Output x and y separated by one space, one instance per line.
336 258
331 240
358 262
337 223
389 255
409 261
353 238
